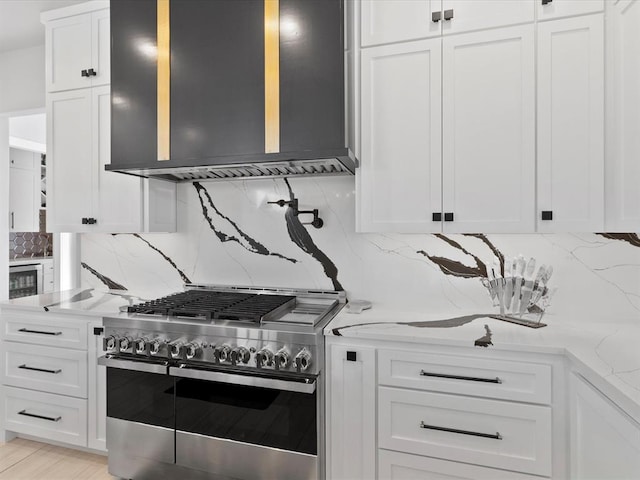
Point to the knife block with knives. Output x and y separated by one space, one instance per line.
521 296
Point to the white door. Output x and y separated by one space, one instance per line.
550 9
604 441
70 167
623 118
389 21
351 412
118 197
571 125
24 193
68 52
400 174
101 47
466 15
488 161
97 407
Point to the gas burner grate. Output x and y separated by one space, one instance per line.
210 305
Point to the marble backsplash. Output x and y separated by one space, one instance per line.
229 234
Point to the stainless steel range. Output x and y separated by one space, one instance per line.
219 382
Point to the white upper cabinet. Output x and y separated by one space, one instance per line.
78 51
571 125
24 191
549 9
389 21
623 128
488 160
466 15
400 178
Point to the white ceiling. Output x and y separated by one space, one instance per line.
20 25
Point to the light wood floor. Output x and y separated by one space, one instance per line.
22 459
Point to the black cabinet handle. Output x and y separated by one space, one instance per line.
84 73
13 218
497 435
351 356
89 221
544 2
448 14
448 216
98 331
436 17
51 419
40 332
36 369
460 377
91 72
436 216
547 215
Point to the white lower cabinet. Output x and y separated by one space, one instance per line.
605 442
52 387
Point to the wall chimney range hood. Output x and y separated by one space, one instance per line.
226 89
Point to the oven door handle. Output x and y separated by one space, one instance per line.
307 386
133 365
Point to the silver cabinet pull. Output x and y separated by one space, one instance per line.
12 220
41 332
461 377
36 369
43 417
495 436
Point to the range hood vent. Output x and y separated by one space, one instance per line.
272 169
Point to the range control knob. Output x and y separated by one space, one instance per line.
282 358
176 349
240 355
141 346
222 352
264 357
192 350
110 343
155 346
125 343
303 360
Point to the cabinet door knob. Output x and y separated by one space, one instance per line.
84 73
436 17
436 216
547 215
351 356
89 221
448 216
91 73
448 14
544 2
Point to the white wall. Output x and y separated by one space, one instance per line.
22 79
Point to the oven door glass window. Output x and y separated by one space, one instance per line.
260 416
140 397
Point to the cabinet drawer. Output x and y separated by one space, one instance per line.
484 432
524 382
44 329
46 415
49 369
401 466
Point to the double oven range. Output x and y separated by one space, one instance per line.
219 383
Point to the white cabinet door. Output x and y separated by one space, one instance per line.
571 125
101 47
70 168
488 121
605 442
68 52
623 118
97 397
351 412
389 21
400 174
24 193
466 15
119 197
550 9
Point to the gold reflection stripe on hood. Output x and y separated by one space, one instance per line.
164 81
271 76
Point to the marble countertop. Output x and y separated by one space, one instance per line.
606 351
87 301
26 261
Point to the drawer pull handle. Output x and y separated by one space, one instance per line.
41 332
460 377
495 436
36 369
34 415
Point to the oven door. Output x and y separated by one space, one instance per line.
140 416
246 426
